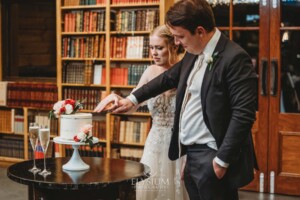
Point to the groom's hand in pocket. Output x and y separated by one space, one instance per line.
219 170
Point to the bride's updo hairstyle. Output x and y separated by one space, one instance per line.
175 51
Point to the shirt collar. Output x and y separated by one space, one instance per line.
211 45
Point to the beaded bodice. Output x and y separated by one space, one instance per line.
162 109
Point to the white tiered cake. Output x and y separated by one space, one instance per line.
70 124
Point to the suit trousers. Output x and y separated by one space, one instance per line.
200 179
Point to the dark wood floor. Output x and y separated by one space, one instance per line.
244 195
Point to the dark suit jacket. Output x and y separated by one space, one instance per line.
228 97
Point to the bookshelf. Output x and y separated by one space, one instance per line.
26 102
102 47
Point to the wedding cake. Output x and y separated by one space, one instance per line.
71 125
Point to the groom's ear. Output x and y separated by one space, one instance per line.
199 30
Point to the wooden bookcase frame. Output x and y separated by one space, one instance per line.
162 5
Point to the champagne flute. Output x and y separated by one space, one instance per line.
33 138
44 136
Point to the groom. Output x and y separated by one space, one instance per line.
215 104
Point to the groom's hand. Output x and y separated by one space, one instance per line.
124 105
219 170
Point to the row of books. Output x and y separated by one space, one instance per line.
27 94
83 2
86 151
11 147
129 131
99 129
87 73
13 122
81 72
126 75
133 1
102 2
83 46
127 153
129 47
136 19
74 72
7 120
14 147
92 95
84 21
134 47
137 47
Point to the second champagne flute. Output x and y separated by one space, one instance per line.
44 136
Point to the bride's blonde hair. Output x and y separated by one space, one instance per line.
175 51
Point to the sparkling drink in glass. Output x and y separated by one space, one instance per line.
33 138
44 136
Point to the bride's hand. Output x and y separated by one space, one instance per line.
109 103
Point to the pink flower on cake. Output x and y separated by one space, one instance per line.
67 107
80 137
83 135
86 128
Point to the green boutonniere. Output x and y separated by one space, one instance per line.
210 61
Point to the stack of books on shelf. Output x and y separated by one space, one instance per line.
136 19
38 95
86 151
132 47
99 129
84 21
125 131
11 147
128 153
83 46
73 72
92 95
129 74
83 73
7 118
84 2
133 1
134 154
87 73
135 72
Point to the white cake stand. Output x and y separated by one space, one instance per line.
75 163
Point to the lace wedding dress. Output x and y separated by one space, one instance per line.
164 182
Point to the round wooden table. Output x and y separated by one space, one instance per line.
106 179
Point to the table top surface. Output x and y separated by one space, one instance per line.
102 173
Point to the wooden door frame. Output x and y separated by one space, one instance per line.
260 135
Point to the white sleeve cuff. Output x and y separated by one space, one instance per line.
132 98
221 162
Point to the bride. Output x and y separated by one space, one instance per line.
165 180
